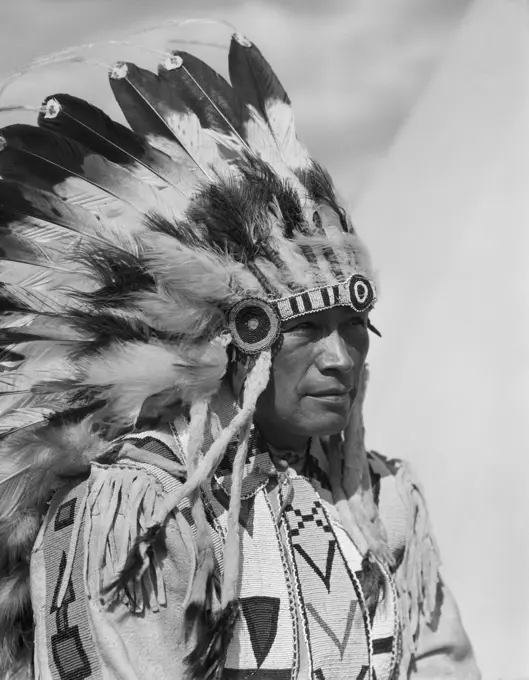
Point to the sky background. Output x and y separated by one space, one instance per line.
420 110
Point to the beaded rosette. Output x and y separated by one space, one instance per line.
255 324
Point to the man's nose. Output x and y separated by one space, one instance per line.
335 355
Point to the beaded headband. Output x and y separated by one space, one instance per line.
255 324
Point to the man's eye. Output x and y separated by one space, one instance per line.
302 326
357 321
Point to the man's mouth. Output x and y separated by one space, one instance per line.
332 392
337 396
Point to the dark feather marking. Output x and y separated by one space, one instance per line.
92 127
9 433
10 304
51 154
206 93
120 274
133 564
137 94
106 328
25 166
373 584
232 214
13 336
9 356
46 159
207 659
236 214
18 200
74 415
15 247
253 78
193 236
144 99
309 255
320 187
254 170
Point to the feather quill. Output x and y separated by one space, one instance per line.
14 249
7 357
148 104
45 330
50 161
41 288
31 211
51 242
84 123
184 117
209 94
321 188
22 418
14 246
208 97
260 89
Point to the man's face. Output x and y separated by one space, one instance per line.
314 376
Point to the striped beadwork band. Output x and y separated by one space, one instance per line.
357 292
255 324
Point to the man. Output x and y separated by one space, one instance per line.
183 467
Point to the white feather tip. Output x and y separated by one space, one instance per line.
53 108
242 40
119 71
173 62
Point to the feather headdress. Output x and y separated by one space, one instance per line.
131 258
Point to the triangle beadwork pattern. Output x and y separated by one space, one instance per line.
261 614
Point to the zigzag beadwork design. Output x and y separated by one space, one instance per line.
364 672
326 578
323 581
340 644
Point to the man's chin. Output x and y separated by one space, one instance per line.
326 422
330 428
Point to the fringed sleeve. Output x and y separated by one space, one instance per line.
417 576
82 549
434 643
120 504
